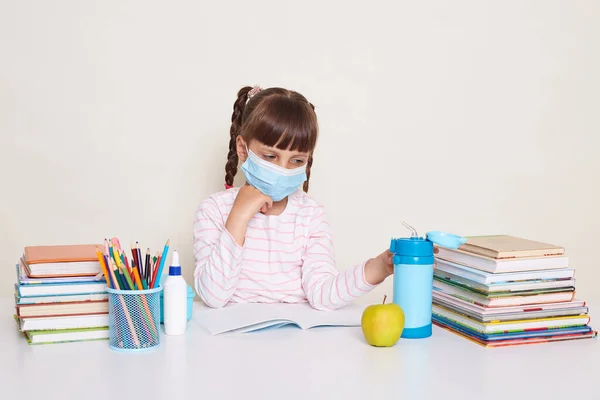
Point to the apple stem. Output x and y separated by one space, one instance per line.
384 297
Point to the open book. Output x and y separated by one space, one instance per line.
244 318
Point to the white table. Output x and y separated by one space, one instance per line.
326 363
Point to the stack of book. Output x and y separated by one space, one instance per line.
503 290
60 294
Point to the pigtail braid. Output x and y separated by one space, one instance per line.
309 162
308 165
236 125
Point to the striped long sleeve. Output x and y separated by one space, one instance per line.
217 256
325 287
286 258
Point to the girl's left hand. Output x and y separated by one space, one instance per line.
382 266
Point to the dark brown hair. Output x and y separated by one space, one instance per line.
278 118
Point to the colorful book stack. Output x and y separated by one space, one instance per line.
502 290
60 294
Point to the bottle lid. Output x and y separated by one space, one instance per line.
444 239
412 247
175 267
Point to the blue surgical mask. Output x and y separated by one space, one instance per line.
272 180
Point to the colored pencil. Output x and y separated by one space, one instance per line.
129 322
147 266
138 256
113 279
124 285
152 285
138 281
106 252
142 282
154 260
103 266
128 277
125 262
143 302
163 258
134 256
111 253
115 282
118 279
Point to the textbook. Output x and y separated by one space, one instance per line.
492 327
497 265
61 260
53 323
54 289
24 279
488 314
63 298
515 287
67 335
517 338
63 309
487 278
253 317
505 298
506 246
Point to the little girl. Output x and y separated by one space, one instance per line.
268 241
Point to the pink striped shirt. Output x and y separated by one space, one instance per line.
287 258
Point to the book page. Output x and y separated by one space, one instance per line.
247 317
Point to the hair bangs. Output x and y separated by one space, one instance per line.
284 123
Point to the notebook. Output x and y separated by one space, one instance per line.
67 335
512 316
505 298
253 317
73 322
53 289
483 277
61 260
62 309
506 246
27 280
63 298
493 265
516 338
495 327
524 308
515 287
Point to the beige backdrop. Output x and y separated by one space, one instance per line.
467 116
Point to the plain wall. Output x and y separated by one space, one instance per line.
472 117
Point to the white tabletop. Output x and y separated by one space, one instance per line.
332 363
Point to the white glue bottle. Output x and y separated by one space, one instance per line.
175 299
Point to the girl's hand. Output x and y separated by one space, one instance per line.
249 202
382 266
379 268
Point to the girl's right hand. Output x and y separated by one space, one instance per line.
249 202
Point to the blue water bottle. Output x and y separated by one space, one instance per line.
413 278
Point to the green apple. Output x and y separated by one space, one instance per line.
382 324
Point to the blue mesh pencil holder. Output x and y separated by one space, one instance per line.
134 319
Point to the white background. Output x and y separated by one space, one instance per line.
467 116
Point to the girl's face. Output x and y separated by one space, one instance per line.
282 158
